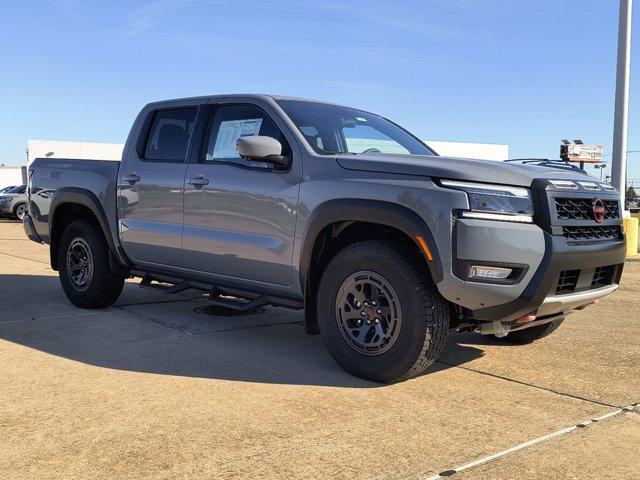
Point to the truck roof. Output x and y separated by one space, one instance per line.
257 96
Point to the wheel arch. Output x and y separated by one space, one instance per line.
335 218
72 203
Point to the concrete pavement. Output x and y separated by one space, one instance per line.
150 388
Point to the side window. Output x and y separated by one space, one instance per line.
169 134
231 122
361 138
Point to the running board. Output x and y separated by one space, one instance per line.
236 299
230 297
147 282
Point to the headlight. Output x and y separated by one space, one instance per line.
495 202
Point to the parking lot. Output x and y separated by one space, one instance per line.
156 388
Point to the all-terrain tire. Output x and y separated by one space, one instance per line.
425 313
528 335
103 287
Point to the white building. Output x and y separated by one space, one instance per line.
61 149
10 176
485 151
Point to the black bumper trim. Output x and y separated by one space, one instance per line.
559 255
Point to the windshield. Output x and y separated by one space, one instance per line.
18 189
331 129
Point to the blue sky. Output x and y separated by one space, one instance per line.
519 72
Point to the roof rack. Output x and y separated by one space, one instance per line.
545 162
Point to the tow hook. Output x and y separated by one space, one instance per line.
496 328
502 329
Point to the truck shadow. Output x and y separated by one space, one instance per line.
147 337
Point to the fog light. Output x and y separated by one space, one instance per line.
485 271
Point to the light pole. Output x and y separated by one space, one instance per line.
619 151
601 167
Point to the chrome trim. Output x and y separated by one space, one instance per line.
564 184
502 217
560 303
589 185
515 191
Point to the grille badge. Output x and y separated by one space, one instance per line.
598 210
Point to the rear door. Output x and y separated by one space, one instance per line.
151 187
239 216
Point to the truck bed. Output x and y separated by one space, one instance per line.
51 177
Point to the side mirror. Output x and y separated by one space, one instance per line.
262 148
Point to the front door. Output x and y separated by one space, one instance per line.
239 216
151 189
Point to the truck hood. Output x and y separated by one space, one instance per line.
456 168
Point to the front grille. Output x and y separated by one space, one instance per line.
571 281
592 233
603 276
582 209
567 281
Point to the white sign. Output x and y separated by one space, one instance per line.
585 153
229 132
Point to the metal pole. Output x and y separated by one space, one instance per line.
619 152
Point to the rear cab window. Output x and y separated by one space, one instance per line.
169 134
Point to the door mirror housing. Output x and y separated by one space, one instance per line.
259 147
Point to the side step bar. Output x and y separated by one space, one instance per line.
236 300
225 296
147 282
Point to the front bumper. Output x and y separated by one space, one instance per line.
539 297
562 303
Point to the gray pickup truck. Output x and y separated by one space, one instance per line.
387 246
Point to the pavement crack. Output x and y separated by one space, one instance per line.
154 320
23 258
529 443
531 385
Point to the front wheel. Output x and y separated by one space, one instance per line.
83 263
379 314
20 211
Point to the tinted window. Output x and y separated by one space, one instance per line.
235 121
18 189
169 134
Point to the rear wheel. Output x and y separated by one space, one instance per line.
20 211
84 271
532 334
379 314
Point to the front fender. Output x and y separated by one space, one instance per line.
371 211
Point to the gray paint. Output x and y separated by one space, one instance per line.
249 226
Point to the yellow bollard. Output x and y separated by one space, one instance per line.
631 229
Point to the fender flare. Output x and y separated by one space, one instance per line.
86 198
371 211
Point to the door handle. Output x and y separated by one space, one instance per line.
199 181
131 179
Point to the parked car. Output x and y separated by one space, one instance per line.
13 203
386 246
6 189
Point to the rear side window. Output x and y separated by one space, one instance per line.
169 134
